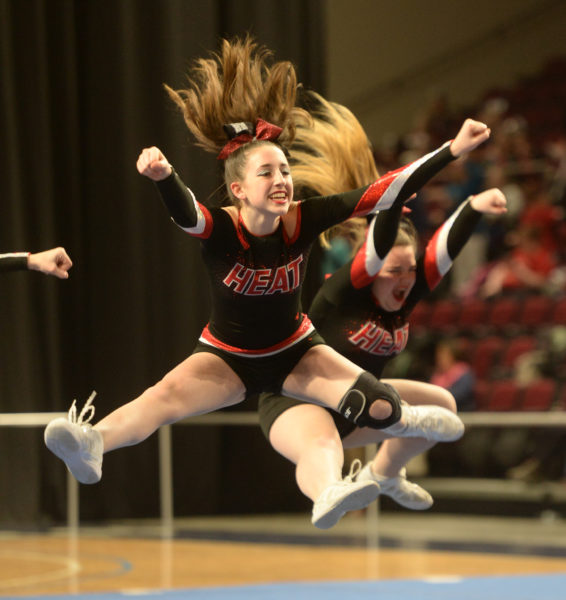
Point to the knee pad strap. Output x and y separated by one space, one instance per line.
356 402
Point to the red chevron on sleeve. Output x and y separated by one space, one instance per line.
204 227
432 272
375 192
359 275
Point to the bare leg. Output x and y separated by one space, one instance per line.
323 376
200 384
306 435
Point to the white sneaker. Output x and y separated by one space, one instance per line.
406 493
340 497
76 443
433 423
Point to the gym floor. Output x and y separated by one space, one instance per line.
276 556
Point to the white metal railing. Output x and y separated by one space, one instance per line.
471 419
247 418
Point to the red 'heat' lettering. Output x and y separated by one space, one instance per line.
258 282
374 339
280 281
238 278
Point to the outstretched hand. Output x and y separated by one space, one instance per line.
471 135
490 202
153 164
51 262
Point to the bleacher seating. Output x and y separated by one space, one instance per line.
535 310
494 336
539 395
473 314
443 315
559 312
516 347
485 354
504 313
505 394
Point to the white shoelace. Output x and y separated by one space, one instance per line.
86 414
355 468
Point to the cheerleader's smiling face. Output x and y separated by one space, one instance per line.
266 188
396 278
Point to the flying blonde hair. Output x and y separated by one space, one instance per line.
331 155
240 83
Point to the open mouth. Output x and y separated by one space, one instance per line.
399 295
279 197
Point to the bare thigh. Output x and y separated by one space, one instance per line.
419 392
322 376
202 383
295 430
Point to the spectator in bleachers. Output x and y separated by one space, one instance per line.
526 266
540 211
454 373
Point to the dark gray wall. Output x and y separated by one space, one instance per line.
387 59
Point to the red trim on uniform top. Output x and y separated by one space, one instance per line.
292 239
432 273
240 233
305 328
208 223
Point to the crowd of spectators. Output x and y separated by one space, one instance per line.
522 255
526 158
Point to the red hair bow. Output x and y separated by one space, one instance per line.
263 131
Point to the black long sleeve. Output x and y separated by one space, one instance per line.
17 261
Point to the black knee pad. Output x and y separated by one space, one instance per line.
357 400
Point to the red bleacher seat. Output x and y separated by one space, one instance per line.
535 311
560 403
504 312
482 392
473 313
505 395
486 355
517 347
539 395
443 315
419 315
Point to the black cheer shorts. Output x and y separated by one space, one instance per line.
272 405
264 373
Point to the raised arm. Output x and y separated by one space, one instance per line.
471 135
399 185
181 203
405 182
452 235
